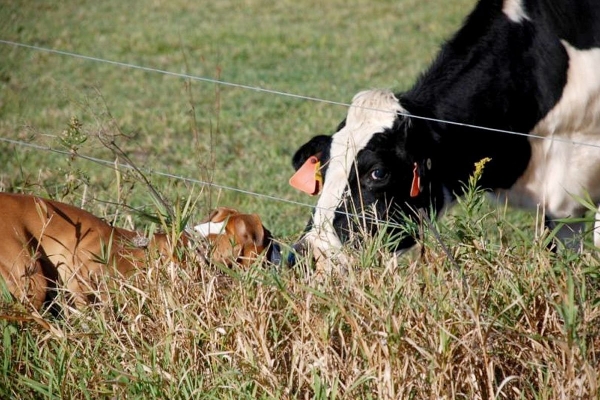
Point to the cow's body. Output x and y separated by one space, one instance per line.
525 66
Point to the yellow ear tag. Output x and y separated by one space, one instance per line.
318 177
308 178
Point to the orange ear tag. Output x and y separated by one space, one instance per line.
308 178
415 188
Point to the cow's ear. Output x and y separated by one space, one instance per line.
316 145
401 126
420 140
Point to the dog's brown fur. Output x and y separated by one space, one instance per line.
45 245
241 240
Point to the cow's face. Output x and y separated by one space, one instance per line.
374 174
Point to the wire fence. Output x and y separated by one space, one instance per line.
241 86
281 93
111 164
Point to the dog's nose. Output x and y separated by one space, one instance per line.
277 256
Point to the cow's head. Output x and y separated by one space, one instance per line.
378 169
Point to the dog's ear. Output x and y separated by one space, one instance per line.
252 237
317 145
242 239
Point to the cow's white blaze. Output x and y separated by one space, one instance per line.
560 170
371 112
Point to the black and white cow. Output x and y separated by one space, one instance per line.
528 66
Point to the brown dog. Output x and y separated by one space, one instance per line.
235 236
45 245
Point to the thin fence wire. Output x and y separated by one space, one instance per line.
169 73
281 93
246 87
111 164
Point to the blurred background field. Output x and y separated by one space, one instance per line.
231 136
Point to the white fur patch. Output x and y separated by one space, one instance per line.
210 228
513 9
371 112
557 169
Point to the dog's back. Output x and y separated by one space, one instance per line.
45 242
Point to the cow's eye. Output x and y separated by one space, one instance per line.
379 174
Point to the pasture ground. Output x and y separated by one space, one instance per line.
488 314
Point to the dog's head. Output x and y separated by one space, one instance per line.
235 237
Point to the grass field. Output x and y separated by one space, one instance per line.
493 316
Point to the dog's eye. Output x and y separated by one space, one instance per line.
379 174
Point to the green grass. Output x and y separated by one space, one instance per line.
236 137
495 314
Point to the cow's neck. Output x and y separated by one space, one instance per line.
484 84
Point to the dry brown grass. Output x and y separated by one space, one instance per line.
525 325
